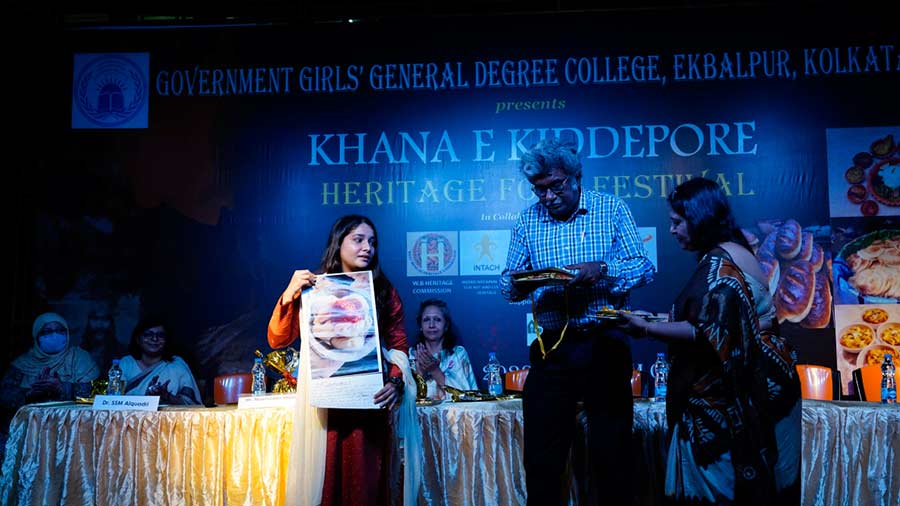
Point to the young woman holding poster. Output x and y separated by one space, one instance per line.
357 454
733 402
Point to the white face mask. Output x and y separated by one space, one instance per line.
52 343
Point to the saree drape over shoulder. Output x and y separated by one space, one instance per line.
722 448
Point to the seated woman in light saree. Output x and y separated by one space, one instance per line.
153 369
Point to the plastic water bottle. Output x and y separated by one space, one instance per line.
495 377
259 377
116 384
888 380
660 372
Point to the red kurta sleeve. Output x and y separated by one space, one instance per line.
284 325
393 331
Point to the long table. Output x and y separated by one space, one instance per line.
851 453
71 454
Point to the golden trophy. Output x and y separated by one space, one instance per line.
421 386
285 363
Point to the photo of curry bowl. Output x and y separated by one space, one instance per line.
853 338
889 333
874 354
875 315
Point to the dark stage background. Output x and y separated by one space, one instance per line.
204 213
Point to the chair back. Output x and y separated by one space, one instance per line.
819 382
227 388
515 380
868 382
636 383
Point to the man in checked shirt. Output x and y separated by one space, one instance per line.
575 358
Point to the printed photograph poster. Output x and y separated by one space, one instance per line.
866 261
340 319
864 171
865 334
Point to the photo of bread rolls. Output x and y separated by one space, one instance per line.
789 240
820 313
807 245
794 296
794 265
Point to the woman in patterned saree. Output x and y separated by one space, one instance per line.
733 396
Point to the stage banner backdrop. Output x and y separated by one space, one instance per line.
201 167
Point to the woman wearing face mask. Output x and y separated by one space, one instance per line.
51 370
438 359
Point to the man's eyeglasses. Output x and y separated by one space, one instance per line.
159 336
556 188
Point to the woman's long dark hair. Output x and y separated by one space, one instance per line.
705 209
331 258
449 336
147 323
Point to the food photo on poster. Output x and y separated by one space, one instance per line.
865 333
795 261
867 263
864 171
341 322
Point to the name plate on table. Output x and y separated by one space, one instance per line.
285 400
126 402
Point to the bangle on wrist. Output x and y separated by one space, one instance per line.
398 384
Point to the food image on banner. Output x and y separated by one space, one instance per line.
867 267
864 171
796 262
339 316
864 334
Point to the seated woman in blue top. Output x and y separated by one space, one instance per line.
153 369
437 358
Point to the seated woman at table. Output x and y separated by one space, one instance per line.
437 358
52 370
730 384
152 368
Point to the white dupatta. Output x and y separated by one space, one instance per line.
309 441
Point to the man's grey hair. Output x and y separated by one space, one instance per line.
551 152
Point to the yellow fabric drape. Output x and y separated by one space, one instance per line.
72 455
472 455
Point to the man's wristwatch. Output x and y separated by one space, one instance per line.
604 268
398 384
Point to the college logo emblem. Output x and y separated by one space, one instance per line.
431 253
110 90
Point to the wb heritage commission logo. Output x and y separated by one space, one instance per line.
111 90
431 254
